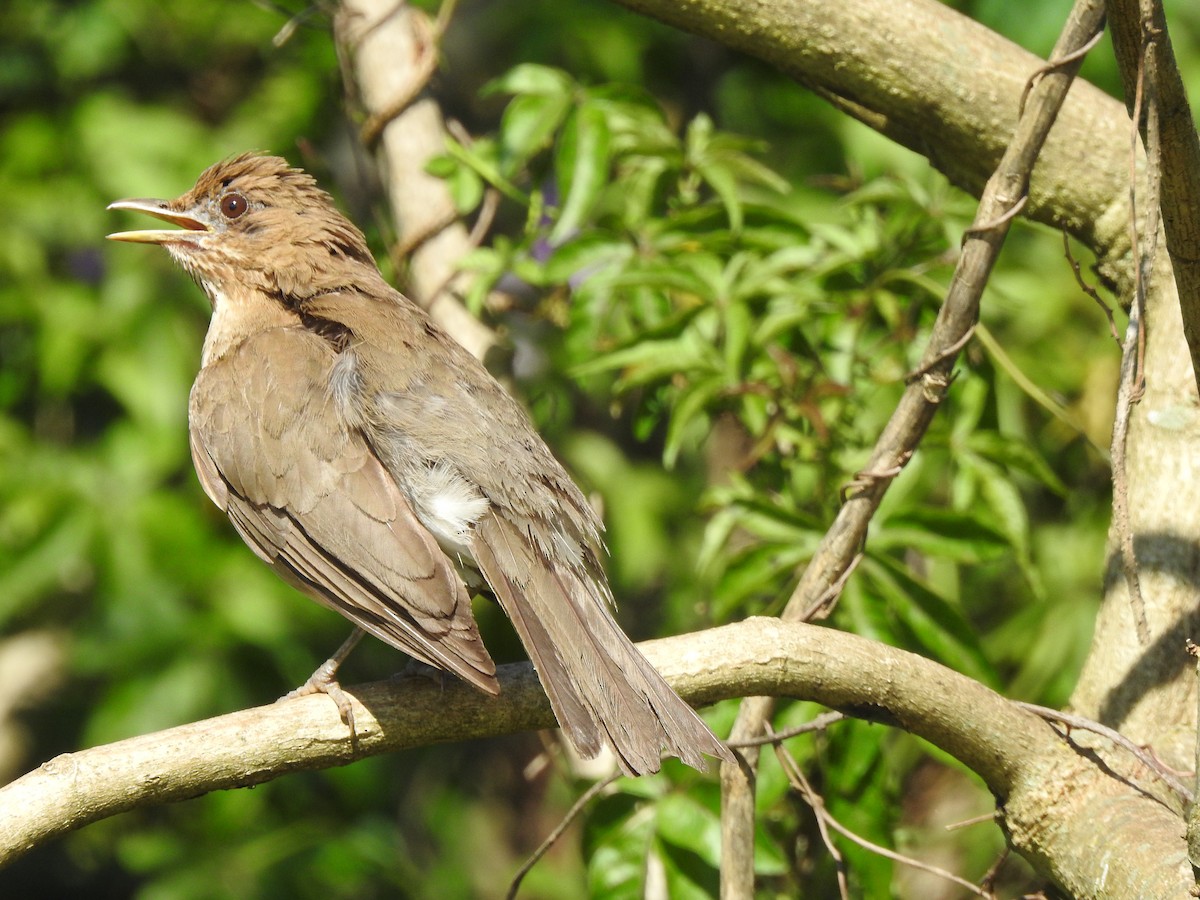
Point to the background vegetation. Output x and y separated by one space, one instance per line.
711 331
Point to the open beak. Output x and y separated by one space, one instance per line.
160 209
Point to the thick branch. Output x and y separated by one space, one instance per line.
1017 754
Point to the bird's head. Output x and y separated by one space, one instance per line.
257 220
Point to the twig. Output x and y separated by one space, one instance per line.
974 820
1147 759
1005 193
386 59
817 803
821 606
1142 44
946 354
1127 394
1054 64
820 723
977 229
1088 289
572 814
483 223
428 35
1193 812
825 820
1132 383
988 881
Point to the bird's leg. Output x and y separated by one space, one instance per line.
324 681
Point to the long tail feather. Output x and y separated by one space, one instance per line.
600 686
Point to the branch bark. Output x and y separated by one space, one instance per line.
1025 763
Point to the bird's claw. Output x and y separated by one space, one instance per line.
324 681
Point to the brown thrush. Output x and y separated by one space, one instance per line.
377 466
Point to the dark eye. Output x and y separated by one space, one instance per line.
233 205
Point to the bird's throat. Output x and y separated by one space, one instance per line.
237 315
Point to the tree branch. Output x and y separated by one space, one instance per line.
1020 757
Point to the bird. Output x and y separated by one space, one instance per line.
379 468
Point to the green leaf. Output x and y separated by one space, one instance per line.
586 255
639 184
1016 454
528 126
750 170
665 274
958 536
690 408
481 158
684 822
466 189
638 127
721 179
1005 501
616 843
581 166
651 360
531 79
936 625
737 324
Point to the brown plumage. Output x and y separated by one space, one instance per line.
375 464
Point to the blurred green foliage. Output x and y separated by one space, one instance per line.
714 329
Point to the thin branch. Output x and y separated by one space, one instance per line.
816 803
427 36
1066 59
820 723
973 821
1005 192
1143 49
389 50
988 881
826 819
1151 762
1088 289
559 830
1193 811
1132 384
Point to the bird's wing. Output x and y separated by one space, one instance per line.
308 495
537 543
450 410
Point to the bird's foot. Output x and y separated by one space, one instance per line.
324 681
